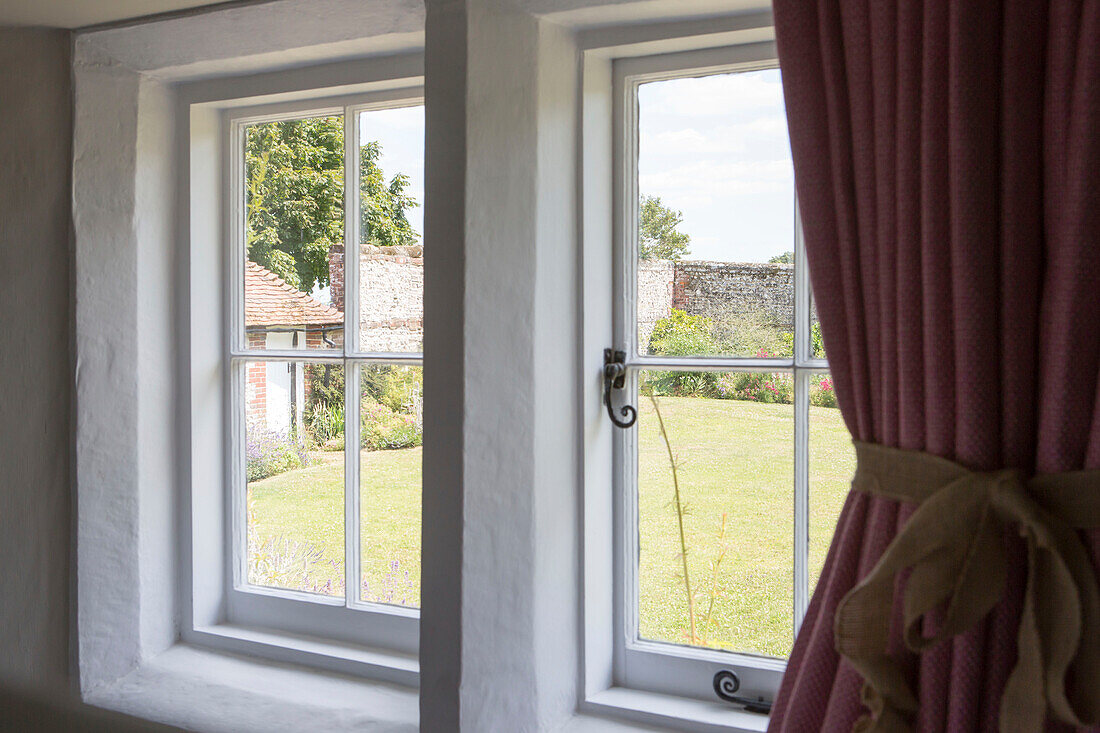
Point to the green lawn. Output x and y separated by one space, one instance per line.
735 458
306 506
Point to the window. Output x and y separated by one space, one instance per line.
729 484
324 357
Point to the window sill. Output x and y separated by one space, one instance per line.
327 655
200 689
663 712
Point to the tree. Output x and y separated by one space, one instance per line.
295 198
658 238
787 258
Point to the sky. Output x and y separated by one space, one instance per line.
401 134
715 148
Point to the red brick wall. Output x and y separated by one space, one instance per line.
256 383
336 276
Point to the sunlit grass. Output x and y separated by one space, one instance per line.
307 505
735 458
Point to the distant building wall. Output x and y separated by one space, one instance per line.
725 292
654 296
391 287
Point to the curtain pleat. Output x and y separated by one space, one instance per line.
947 159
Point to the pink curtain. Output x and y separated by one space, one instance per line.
947 158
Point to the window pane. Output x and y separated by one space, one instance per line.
392 420
294 464
730 436
391 260
832 466
716 217
294 226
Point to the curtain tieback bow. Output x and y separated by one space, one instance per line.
954 547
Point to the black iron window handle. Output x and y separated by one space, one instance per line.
614 377
726 683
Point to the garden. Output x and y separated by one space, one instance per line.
727 435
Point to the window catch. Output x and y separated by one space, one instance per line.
726 683
614 377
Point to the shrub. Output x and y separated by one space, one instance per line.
385 429
326 385
268 453
748 333
325 423
681 334
679 384
816 343
757 387
398 388
281 562
822 393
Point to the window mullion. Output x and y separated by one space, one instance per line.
803 352
236 498
801 494
351 231
352 555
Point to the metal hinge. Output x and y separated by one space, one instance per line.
614 377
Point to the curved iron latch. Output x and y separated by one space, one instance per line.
726 683
614 377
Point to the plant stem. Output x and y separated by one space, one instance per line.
714 576
679 518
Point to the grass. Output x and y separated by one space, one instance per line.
307 505
735 458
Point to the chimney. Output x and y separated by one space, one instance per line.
336 276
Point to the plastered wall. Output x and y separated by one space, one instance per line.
35 144
36 372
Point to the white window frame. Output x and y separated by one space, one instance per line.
341 634
648 665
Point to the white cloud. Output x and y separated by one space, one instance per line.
720 94
749 138
710 181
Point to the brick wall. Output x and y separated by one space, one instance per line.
725 292
654 296
391 297
336 276
255 384
391 284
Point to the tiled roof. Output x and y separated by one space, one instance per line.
269 301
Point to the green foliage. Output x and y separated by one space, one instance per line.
398 388
386 429
747 334
682 334
325 423
817 345
658 238
382 221
771 389
324 410
822 393
295 198
787 258
268 454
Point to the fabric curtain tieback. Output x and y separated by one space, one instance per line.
954 547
